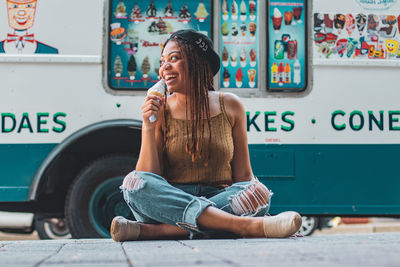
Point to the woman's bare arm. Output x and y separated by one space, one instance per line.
241 168
150 157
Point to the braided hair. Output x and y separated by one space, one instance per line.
199 80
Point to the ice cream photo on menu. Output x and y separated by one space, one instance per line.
132 68
20 39
225 10
201 12
120 10
136 13
225 57
151 10
225 31
239 77
243 11
297 11
252 76
234 10
184 14
243 29
118 68
253 57
234 30
226 75
117 33
169 11
233 58
145 67
243 57
252 9
277 19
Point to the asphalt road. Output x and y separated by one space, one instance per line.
376 249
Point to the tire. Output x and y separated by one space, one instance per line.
94 198
53 228
308 225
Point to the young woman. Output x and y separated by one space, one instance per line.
193 176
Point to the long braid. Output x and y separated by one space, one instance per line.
200 102
199 82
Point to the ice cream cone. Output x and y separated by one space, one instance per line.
239 77
132 75
226 77
225 10
158 90
252 75
253 57
252 9
234 58
234 10
243 58
155 94
243 11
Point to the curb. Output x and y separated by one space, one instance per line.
360 228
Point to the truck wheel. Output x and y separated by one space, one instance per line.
308 225
53 228
94 198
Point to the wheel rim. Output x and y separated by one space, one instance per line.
105 203
56 228
307 225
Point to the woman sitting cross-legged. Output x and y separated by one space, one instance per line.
193 175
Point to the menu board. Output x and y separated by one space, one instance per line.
353 36
239 43
287 45
138 30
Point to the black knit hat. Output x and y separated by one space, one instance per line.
204 45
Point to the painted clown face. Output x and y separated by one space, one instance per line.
21 14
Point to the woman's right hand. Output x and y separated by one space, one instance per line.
151 106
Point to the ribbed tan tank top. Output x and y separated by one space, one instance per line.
178 166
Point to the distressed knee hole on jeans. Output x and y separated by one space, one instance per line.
251 199
133 182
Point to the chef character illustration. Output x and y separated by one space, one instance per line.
21 15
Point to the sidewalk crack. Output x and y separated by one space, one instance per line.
128 260
48 257
227 261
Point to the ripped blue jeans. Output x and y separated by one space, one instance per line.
153 200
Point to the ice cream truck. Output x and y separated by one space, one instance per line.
319 81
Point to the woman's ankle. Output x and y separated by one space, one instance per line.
161 231
249 227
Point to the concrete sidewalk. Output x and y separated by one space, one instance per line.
378 249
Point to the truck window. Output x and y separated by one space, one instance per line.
263 46
287 45
137 32
239 47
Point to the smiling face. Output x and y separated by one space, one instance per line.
392 46
21 14
172 67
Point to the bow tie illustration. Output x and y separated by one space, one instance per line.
26 38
